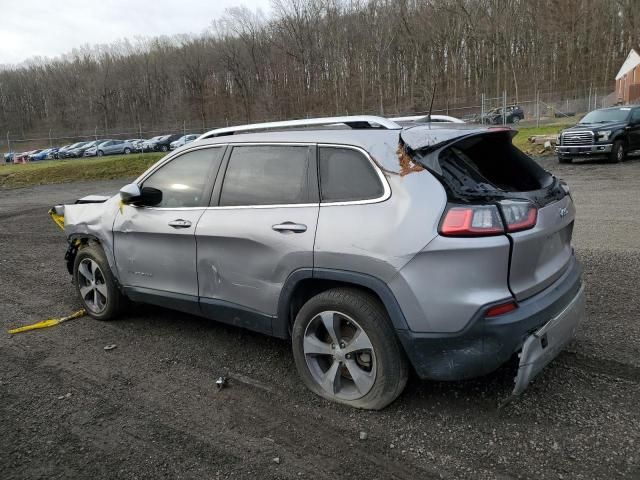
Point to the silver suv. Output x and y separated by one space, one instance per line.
373 248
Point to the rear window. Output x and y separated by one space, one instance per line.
347 175
490 162
266 175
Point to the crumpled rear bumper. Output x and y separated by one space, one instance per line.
544 345
487 343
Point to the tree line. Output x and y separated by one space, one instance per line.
323 57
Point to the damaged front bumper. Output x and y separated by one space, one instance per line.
489 342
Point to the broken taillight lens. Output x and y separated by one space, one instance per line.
471 221
519 215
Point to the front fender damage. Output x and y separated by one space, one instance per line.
89 219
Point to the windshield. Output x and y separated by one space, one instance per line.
605 116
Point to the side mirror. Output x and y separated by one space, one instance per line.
147 196
130 193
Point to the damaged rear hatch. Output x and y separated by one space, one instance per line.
481 168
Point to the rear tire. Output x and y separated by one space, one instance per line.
95 284
127 151
367 373
618 152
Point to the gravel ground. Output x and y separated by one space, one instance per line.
150 409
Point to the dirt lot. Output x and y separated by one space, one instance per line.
150 408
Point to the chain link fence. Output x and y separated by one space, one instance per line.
538 108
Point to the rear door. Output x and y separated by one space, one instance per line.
155 247
540 255
260 228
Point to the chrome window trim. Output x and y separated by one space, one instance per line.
386 194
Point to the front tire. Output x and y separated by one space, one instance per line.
100 153
617 152
562 159
96 285
164 148
346 349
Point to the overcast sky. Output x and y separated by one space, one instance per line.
48 28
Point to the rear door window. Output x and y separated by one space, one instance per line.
267 175
347 175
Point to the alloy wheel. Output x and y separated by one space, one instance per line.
92 285
339 355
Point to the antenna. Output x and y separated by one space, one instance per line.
433 95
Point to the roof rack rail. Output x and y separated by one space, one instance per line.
355 121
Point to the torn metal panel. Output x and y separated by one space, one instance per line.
545 344
94 220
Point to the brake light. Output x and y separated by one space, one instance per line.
501 309
471 221
519 215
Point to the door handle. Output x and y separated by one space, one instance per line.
180 223
290 227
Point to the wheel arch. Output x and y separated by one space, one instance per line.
303 284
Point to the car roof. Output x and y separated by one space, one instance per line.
380 143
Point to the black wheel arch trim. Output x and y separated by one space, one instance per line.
281 324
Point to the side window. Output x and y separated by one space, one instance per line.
184 179
635 116
266 175
347 175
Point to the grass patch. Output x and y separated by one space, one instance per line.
522 139
63 171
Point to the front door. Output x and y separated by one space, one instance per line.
155 246
261 230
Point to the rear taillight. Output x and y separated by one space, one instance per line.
471 221
518 215
501 309
484 220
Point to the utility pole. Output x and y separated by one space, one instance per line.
50 141
95 132
537 108
8 142
504 107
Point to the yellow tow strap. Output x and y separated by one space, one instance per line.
49 322
59 219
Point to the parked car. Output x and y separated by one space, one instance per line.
114 147
53 153
8 157
512 114
23 157
161 144
137 143
62 151
607 133
148 145
450 252
33 154
183 140
77 149
41 155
